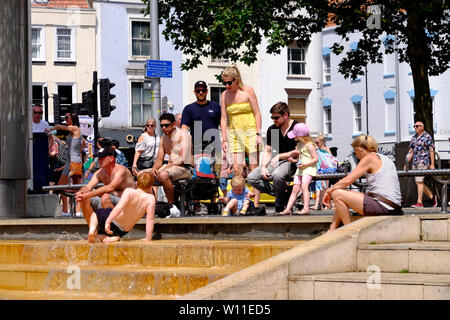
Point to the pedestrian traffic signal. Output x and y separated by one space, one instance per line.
59 111
106 97
87 107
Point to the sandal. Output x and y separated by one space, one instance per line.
304 213
280 214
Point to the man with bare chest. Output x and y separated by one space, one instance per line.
115 177
177 144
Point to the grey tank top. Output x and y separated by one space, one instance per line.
385 182
75 149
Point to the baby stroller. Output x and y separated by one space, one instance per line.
204 185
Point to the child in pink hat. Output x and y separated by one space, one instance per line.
306 167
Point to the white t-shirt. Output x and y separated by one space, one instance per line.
40 127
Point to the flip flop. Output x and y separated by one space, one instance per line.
280 214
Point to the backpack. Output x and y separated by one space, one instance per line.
326 160
204 166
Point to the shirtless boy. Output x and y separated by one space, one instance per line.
109 225
115 177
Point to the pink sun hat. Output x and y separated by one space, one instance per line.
300 130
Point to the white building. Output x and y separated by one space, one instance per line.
369 104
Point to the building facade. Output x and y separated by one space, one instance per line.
62 50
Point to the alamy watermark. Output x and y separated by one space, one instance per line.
73 282
374 280
374 20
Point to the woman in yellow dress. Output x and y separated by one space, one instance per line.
240 121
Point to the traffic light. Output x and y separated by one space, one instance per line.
106 97
56 109
87 107
60 110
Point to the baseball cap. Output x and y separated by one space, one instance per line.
200 84
300 130
105 152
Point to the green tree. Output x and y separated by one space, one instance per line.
234 29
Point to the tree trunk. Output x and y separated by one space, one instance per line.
419 54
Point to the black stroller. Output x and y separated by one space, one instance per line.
204 185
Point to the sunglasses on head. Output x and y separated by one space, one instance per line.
165 125
200 90
228 83
37 112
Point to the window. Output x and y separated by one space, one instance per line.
37 44
327 121
296 60
140 38
215 93
37 95
65 95
357 119
65 44
390 117
297 107
326 68
140 104
388 58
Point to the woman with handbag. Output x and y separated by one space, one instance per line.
383 196
146 148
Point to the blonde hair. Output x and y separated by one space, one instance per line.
238 181
151 120
367 142
233 71
305 139
145 180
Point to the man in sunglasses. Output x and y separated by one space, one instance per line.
177 144
39 125
421 151
274 163
201 116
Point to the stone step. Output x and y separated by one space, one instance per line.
370 286
64 295
146 282
414 257
183 253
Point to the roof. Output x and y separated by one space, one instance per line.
60 3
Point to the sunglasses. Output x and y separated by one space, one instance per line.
150 125
67 117
275 117
38 112
201 90
166 125
228 83
417 126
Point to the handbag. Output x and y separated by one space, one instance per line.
144 163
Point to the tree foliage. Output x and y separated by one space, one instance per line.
234 29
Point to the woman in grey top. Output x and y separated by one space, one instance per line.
74 163
146 148
383 197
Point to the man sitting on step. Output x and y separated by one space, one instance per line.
109 225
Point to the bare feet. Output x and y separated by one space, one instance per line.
304 212
111 239
92 238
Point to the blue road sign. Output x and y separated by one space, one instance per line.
158 69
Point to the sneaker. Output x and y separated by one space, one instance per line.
225 213
78 215
66 214
417 205
435 203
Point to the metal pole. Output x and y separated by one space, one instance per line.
397 97
154 52
94 89
367 105
46 103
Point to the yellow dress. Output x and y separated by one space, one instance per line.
305 155
242 128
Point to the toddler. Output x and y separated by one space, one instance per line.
306 167
238 198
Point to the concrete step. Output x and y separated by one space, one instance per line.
64 295
414 257
125 281
182 253
369 286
